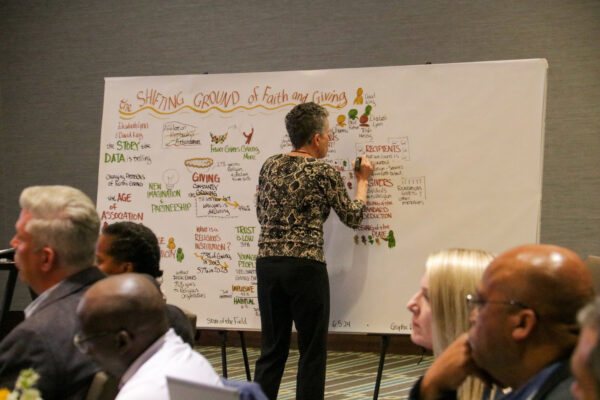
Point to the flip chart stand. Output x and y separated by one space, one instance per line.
384 343
223 335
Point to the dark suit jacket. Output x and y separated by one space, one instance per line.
556 387
180 323
558 384
44 342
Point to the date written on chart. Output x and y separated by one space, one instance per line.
340 323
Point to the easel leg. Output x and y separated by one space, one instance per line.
223 335
245 354
385 341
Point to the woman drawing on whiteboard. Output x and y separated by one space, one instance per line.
296 192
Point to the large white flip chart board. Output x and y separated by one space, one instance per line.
458 154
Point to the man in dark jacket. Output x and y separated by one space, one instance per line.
55 237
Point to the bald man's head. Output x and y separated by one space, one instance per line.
128 301
526 314
552 280
120 317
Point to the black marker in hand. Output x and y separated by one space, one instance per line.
357 163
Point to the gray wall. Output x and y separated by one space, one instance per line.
55 54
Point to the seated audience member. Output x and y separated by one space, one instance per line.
55 237
130 247
524 327
440 313
125 329
585 362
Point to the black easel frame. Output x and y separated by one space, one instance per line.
384 344
223 335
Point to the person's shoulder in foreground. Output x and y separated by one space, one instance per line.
174 359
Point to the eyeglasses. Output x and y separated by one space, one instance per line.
476 301
82 342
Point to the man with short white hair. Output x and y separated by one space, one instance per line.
55 240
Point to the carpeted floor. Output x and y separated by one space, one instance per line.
349 375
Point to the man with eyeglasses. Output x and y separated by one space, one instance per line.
124 328
55 238
524 327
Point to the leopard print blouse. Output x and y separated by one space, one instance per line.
295 195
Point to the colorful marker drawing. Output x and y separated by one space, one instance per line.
179 254
371 240
390 239
248 136
199 162
225 266
124 115
365 117
178 134
218 139
359 97
234 204
171 245
341 120
353 113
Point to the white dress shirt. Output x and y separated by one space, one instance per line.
146 378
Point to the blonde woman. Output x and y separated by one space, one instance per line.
440 313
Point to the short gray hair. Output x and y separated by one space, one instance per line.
304 121
64 219
589 316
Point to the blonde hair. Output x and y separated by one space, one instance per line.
64 219
452 274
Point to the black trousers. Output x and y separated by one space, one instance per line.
293 289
